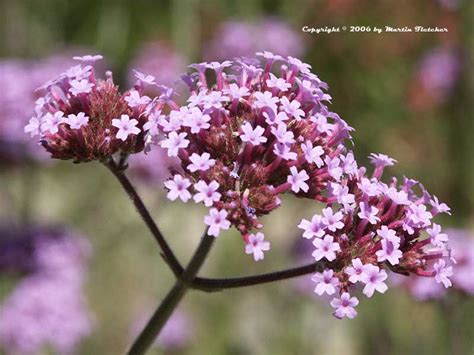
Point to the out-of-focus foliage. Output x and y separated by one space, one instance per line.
377 87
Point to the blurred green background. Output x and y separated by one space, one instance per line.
375 87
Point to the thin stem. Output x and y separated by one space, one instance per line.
172 299
210 285
166 253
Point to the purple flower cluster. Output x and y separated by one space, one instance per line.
83 118
48 307
369 226
243 39
250 137
252 130
249 134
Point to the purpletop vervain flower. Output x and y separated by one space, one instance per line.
254 145
84 118
385 226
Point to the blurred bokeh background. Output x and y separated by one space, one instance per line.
409 95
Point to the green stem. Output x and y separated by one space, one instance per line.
211 285
172 299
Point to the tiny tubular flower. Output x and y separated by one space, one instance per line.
178 188
325 248
77 121
344 306
207 193
216 220
256 245
126 127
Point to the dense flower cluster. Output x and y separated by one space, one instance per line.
369 226
249 137
251 131
47 308
243 39
462 251
83 118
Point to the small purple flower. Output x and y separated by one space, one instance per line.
332 221
373 278
326 282
252 135
443 273
292 108
201 162
278 83
355 271
81 87
76 121
389 251
216 220
134 99
312 154
313 228
256 245
438 239
344 306
368 213
126 127
207 193
178 188
174 142
325 248
297 180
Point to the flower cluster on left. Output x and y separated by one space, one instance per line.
84 118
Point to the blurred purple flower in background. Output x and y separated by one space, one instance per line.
439 71
19 78
237 39
152 167
161 61
48 306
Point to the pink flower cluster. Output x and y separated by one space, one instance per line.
249 137
369 226
83 118
252 130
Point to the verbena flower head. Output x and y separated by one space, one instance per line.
249 135
84 118
369 227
